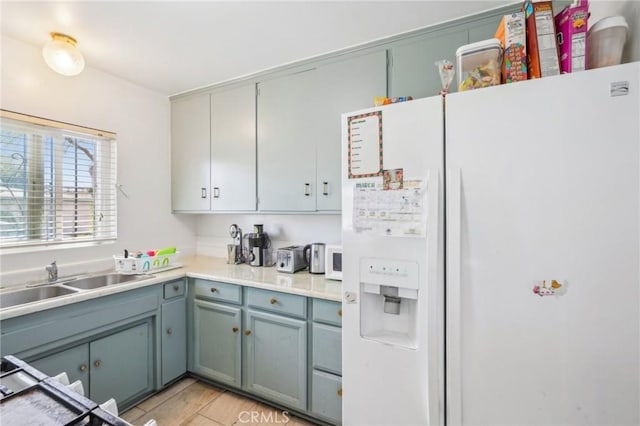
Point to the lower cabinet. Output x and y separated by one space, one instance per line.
216 344
276 358
326 361
117 366
174 339
73 361
262 342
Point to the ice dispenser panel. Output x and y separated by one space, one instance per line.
389 291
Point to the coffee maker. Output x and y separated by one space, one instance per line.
258 242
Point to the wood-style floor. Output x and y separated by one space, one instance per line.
190 402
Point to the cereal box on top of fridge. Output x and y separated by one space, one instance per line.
571 25
542 49
513 36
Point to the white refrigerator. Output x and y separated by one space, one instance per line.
492 256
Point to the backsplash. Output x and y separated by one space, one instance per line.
212 231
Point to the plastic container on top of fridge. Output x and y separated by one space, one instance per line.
605 41
479 64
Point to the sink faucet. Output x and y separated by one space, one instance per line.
52 270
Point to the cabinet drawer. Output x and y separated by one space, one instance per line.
174 289
223 292
327 311
327 348
274 301
326 396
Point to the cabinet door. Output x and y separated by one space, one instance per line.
326 396
217 344
276 358
74 362
233 149
413 71
190 154
122 365
174 339
340 87
286 148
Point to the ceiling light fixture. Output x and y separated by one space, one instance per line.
62 56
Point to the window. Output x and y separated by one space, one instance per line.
57 182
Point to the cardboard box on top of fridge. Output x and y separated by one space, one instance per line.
478 64
542 49
571 25
513 36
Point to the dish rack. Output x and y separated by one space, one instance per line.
143 265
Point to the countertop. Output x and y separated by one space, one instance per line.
208 268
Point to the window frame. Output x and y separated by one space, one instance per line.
104 193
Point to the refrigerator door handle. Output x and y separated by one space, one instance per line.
453 297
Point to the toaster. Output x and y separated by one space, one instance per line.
290 259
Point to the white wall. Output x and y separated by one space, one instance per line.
141 119
284 230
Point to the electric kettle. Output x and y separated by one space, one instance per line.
314 256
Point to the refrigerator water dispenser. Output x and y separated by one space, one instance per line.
389 301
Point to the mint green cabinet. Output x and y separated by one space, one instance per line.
299 118
216 344
122 365
412 63
118 366
190 154
326 361
276 358
326 396
174 339
73 361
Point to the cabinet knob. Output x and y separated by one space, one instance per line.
203 192
340 392
213 289
169 331
235 329
273 301
216 192
325 188
98 363
247 332
176 288
307 189
83 367
339 312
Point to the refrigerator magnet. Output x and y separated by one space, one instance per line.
550 288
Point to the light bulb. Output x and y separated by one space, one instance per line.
62 56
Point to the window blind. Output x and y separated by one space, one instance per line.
57 182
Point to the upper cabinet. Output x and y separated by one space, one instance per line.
412 61
343 86
213 151
271 143
190 152
412 64
233 149
286 146
299 131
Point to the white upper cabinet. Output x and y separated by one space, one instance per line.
299 156
341 87
233 149
190 153
213 151
286 147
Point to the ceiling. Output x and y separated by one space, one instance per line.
176 46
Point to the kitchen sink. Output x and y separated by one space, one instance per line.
98 281
29 295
